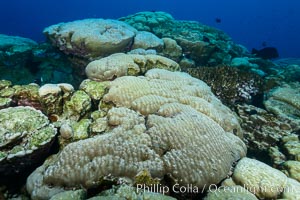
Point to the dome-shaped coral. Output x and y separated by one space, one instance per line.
167 123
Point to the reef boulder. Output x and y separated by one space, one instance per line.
25 140
259 178
15 50
147 40
16 58
91 38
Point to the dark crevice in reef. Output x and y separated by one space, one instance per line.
258 100
183 192
262 156
32 65
106 185
14 181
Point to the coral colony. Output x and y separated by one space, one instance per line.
146 107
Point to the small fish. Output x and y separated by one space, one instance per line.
266 53
218 20
39 81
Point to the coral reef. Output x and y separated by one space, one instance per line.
24 142
136 120
94 89
258 66
284 101
292 190
262 130
230 192
22 95
166 122
52 96
261 179
148 21
23 61
126 192
291 146
78 105
203 44
121 64
271 139
91 38
74 195
147 40
171 49
15 50
231 85
292 169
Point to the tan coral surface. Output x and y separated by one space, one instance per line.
165 122
121 64
90 38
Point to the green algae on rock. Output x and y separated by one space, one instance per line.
81 129
26 95
5 102
78 105
5 84
53 96
94 89
23 140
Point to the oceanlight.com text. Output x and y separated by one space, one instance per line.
192 189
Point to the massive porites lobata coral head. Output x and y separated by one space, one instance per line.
167 123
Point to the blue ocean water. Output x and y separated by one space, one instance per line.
251 23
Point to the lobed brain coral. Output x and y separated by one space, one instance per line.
159 87
167 123
121 64
284 101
